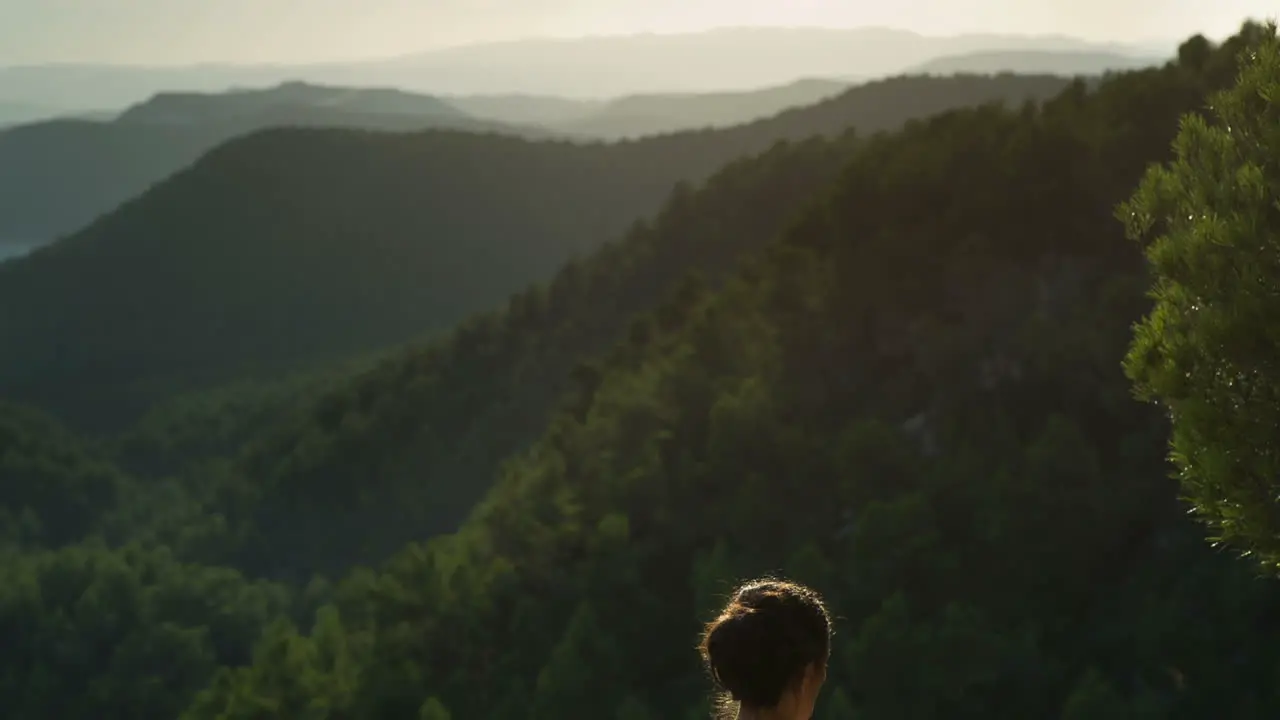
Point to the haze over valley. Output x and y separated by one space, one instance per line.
592 68
14 248
454 360
58 175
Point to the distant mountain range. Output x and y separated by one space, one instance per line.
57 176
335 423
16 113
639 115
190 108
648 114
294 246
1061 62
593 67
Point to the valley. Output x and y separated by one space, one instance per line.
343 396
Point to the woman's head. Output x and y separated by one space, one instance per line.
768 648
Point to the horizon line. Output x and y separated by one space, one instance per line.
564 39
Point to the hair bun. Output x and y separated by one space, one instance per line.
764 639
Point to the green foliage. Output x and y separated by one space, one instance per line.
185 430
53 489
295 676
913 401
1210 220
1095 698
421 436
886 366
96 633
433 710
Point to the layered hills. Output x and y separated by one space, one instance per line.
884 364
639 115
911 399
59 175
1061 62
648 114
298 246
248 105
590 67
15 113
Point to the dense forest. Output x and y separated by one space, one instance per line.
886 364
292 248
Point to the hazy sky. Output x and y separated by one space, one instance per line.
186 31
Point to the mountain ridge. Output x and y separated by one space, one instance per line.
633 116
207 107
57 176
569 68
910 401
908 397
460 221
1061 62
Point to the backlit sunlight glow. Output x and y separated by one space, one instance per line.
261 31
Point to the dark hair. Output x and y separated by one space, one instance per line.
763 640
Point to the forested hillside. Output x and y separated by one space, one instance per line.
888 366
914 402
59 175
404 450
296 247
1209 351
